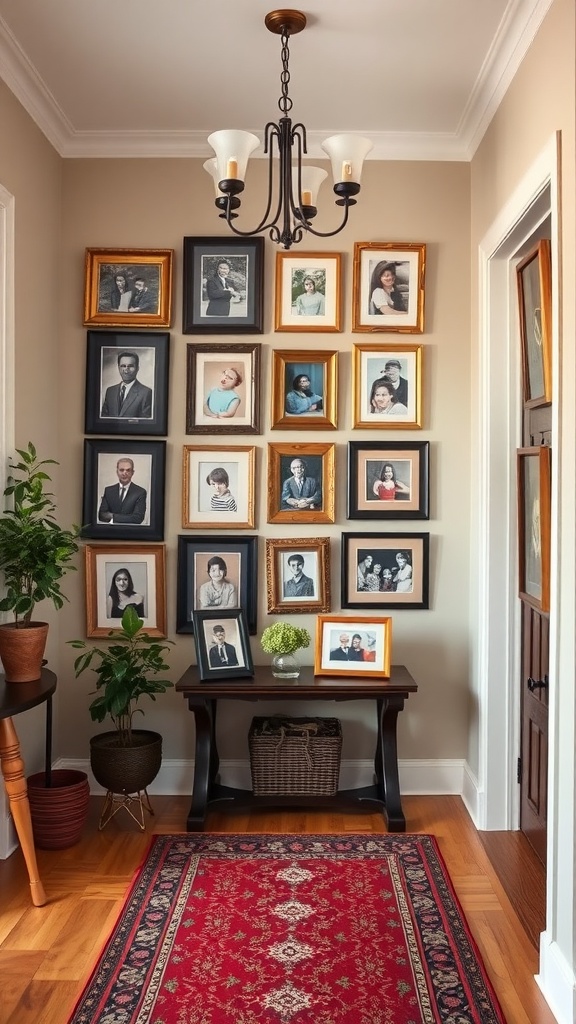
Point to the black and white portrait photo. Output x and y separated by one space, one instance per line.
125 576
299 575
127 382
223 285
124 489
128 288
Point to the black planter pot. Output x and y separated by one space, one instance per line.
126 769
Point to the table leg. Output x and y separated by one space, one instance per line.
205 762
386 762
15 782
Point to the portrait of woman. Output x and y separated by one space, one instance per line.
217 591
223 401
383 400
387 486
402 577
310 301
121 594
386 298
121 293
302 397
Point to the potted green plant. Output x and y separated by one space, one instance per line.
35 553
282 640
125 760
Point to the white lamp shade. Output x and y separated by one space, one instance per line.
347 154
211 168
233 149
311 179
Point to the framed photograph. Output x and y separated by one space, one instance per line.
215 575
308 292
127 383
387 387
218 487
388 287
124 490
304 388
120 575
534 497
388 480
385 570
223 389
534 280
222 645
128 287
353 646
298 575
300 483
223 285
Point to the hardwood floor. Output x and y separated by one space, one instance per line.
46 953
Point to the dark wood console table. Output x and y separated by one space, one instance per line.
14 699
388 694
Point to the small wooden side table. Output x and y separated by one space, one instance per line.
14 699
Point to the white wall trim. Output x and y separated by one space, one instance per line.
557 981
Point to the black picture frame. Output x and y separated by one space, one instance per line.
383 548
241 557
233 622
101 478
147 398
245 258
409 498
204 366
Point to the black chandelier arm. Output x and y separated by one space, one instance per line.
328 234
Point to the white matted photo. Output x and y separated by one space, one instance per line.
218 486
353 646
308 293
388 287
125 575
387 386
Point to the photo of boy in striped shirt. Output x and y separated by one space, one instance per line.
222 500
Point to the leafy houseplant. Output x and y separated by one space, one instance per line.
35 553
282 640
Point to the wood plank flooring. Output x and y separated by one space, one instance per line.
46 953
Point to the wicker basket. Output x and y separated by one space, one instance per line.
295 756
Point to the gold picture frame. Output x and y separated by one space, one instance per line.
296 408
218 487
534 498
376 404
144 566
144 299
298 575
534 279
308 291
353 646
396 304
314 502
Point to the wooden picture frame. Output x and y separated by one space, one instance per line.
403 559
315 504
308 291
534 280
312 407
388 480
383 375
195 555
233 305
388 287
140 514
534 498
223 389
128 287
298 575
142 567
137 361
237 654
227 501
359 646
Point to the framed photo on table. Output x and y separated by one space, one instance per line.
216 574
387 387
308 291
127 383
298 575
388 287
128 287
359 646
122 574
222 645
534 280
223 389
300 483
218 487
223 285
388 480
534 497
124 489
385 570
304 389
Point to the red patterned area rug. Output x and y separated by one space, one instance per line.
285 929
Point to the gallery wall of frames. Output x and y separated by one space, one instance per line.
128 311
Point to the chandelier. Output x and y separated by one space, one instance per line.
296 185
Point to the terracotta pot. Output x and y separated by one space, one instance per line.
126 769
22 650
58 811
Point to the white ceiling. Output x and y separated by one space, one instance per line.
422 78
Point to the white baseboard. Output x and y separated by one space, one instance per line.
556 981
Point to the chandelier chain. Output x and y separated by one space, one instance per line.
285 103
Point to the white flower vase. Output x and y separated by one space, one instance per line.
285 666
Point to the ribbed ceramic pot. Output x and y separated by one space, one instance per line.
22 650
126 769
58 811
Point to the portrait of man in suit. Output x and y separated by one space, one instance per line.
221 653
125 501
300 491
129 399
